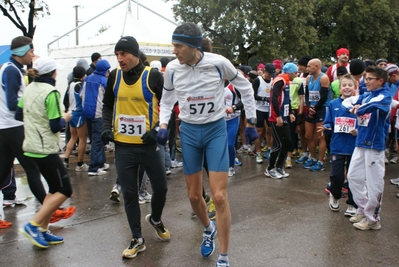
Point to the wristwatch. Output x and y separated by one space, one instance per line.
251 121
234 107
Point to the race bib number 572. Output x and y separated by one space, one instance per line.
131 125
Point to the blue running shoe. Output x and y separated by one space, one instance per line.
267 154
222 263
51 238
302 159
34 235
319 166
208 245
309 163
237 162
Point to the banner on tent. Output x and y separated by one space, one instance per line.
150 50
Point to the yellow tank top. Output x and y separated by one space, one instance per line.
135 110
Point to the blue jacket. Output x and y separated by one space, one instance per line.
341 143
93 90
373 117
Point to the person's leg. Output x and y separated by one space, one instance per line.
14 138
322 141
127 164
276 146
82 134
232 127
310 128
350 200
285 138
337 176
71 143
375 172
97 154
9 187
356 178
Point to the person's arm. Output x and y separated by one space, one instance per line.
381 102
156 82
54 113
108 101
168 99
19 113
277 87
301 96
255 86
12 83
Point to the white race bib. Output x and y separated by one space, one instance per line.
364 120
200 105
286 110
344 124
314 96
131 125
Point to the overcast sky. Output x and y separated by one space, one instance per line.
62 20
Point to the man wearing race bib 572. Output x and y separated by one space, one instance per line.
196 80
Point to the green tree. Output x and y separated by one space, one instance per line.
34 8
262 29
367 28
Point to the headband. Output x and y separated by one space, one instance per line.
193 41
21 51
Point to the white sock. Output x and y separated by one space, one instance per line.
209 228
224 257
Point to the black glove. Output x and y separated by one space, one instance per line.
150 137
107 135
299 119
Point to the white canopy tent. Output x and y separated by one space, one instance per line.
152 31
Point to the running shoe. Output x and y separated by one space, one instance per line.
5 224
161 231
350 211
15 201
394 160
357 218
319 166
267 154
309 163
333 203
115 192
395 181
259 159
222 263
273 174
83 168
34 235
364 225
135 247
237 162
302 159
282 172
51 238
211 210
100 171
231 172
288 164
62 213
208 244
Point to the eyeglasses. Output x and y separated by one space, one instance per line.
370 79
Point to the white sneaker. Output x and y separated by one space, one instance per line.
100 171
105 166
350 211
168 171
282 172
231 172
357 218
259 158
141 200
394 160
115 192
16 201
273 174
176 163
333 203
83 168
109 147
364 225
147 197
395 181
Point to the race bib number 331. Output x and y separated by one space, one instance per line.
131 125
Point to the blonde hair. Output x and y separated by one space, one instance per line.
347 76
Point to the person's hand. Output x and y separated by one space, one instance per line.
107 135
162 136
250 134
292 117
353 132
68 116
150 137
280 121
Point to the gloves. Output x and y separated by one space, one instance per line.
250 134
162 136
150 137
299 119
107 135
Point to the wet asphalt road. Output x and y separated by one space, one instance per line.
274 223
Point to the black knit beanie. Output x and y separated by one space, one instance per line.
303 61
128 44
357 66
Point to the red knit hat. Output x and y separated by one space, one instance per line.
278 64
342 51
